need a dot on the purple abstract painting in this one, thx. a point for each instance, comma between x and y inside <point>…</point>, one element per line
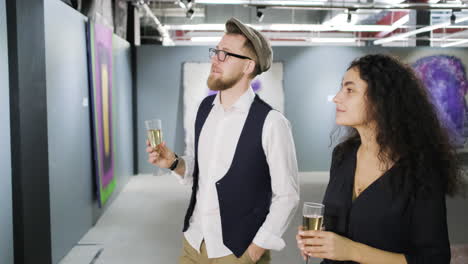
<point>100,75</point>
<point>445,78</point>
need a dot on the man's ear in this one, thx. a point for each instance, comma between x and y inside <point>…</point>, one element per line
<point>250,68</point>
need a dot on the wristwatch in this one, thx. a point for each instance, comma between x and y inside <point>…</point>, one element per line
<point>175,163</point>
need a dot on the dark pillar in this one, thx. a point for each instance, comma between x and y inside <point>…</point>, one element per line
<point>131,31</point>
<point>423,18</point>
<point>29,145</point>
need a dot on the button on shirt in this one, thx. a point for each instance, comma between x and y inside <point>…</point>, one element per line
<point>217,145</point>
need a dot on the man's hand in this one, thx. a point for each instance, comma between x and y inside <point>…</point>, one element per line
<point>255,252</point>
<point>160,156</point>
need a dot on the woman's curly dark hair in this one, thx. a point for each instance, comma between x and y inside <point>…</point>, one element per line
<point>408,128</point>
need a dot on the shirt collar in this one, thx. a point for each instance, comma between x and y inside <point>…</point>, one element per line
<point>242,104</point>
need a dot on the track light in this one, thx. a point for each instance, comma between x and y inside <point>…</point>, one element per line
<point>187,5</point>
<point>190,13</point>
<point>348,19</point>
<point>453,18</point>
<point>350,16</point>
<point>260,14</point>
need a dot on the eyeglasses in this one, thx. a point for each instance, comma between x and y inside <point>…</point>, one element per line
<point>222,55</point>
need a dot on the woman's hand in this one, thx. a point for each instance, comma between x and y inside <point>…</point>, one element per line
<point>299,245</point>
<point>326,245</point>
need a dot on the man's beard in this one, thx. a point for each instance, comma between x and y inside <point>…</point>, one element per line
<point>220,84</point>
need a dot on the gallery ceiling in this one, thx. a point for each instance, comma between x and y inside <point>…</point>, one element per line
<point>309,22</point>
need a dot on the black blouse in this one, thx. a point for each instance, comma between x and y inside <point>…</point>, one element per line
<point>415,226</point>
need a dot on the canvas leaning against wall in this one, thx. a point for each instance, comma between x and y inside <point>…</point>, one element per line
<point>268,85</point>
<point>100,76</point>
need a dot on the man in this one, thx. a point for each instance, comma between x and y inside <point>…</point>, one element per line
<point>242,163</point>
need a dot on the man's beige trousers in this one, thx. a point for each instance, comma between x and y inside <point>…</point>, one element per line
<point>191,256</point>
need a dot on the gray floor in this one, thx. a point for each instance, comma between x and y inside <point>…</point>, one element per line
<point>144,223</point>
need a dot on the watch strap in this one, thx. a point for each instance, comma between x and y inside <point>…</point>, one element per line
<point>175,163</point>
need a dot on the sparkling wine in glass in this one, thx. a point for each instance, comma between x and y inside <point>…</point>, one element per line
<point>312,218</point>
<point>155,137</point>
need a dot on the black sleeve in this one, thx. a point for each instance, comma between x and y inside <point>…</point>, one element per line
<point>429,242</point>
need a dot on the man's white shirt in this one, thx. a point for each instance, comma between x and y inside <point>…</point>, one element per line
<point>216,147</point>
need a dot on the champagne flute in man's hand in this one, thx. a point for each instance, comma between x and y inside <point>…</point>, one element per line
<point>155,138</point>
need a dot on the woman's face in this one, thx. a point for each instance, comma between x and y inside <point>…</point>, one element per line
<point>351,104</point>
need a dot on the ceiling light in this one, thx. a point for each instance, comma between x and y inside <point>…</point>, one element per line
<point>455,43</point>
<point>167,41</point>
<point>363,28</point>
<point>293,27</point>
<point>462,33</point>
<point>207,27</point>
<point>226,2</point>
<point>391,2</point>
<point>400,22</point>
<point>181,4</point>
<point>297,27</point>
<point>332,40</point>
<point>205,39</point>
<point>417,31</point>
<point>262,2</point>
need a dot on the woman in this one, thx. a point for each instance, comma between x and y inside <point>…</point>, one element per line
<point>385,201</point>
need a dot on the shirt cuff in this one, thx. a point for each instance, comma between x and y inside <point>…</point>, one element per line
<point>178,177</point>
<point>187,178</point>
<point>268,240</point>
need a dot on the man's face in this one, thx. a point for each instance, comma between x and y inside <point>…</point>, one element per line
<point>225,74</point>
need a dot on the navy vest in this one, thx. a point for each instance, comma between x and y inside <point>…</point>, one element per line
<point>244,193</point>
